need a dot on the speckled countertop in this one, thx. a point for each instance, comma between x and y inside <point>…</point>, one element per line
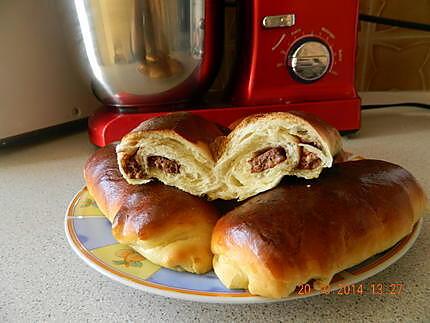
<point>43,280</point>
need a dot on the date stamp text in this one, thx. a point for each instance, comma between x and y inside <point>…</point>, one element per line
<point>391,289</point>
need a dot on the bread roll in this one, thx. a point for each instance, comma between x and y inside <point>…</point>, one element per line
<point>175,148</point>
<point>263,148</point>
<point>169,227</point>
<point>313,229</point>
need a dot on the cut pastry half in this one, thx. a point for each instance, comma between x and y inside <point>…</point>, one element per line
<point>263,148</point>
<point>175,149</point>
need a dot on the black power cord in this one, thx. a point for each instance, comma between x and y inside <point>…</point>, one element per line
<point>401,24</point>
<point>395,22</point>
<point>409,104</point>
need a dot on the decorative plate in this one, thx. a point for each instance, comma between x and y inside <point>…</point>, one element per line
<point>89,234</point>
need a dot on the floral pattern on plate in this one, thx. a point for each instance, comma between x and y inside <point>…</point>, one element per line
<point>125,259</point>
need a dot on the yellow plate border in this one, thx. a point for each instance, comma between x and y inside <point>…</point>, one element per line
<point>381,263</point>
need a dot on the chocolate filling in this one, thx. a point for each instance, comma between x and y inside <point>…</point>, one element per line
<point>132,167</point>
<point>164,164</point>
<point>267,158</point>
<point>308,160</point>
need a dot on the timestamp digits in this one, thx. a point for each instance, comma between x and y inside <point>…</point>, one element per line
<point>356,289</point>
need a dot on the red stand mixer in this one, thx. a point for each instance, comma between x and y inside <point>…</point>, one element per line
<point>149,57</point>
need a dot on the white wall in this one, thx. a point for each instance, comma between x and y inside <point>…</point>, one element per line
<point>40,81</point>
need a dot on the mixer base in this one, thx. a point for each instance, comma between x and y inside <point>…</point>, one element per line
<point>108,125</point>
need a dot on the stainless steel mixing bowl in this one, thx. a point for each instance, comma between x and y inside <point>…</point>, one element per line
<point>150,52</point>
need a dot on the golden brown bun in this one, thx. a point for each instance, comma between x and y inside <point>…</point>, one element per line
<point>105,183</point>
<point>174,148</point>
<point>263,148</point>
<point>169,227</point>
<point>314,229</point>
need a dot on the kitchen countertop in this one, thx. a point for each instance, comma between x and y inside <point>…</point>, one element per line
<point>42,279</point>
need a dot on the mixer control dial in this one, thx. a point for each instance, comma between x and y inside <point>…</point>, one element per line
<point>309,60</point>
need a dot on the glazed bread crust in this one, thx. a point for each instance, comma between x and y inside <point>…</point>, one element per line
<point>175,149</point>
<point>313,229</point>
<point>263,148</point>
<point>169,227</point>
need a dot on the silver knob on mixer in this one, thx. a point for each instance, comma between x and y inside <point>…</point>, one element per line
<point>309,60</point>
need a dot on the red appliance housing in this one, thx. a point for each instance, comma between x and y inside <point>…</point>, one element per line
<point>293,55</point>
